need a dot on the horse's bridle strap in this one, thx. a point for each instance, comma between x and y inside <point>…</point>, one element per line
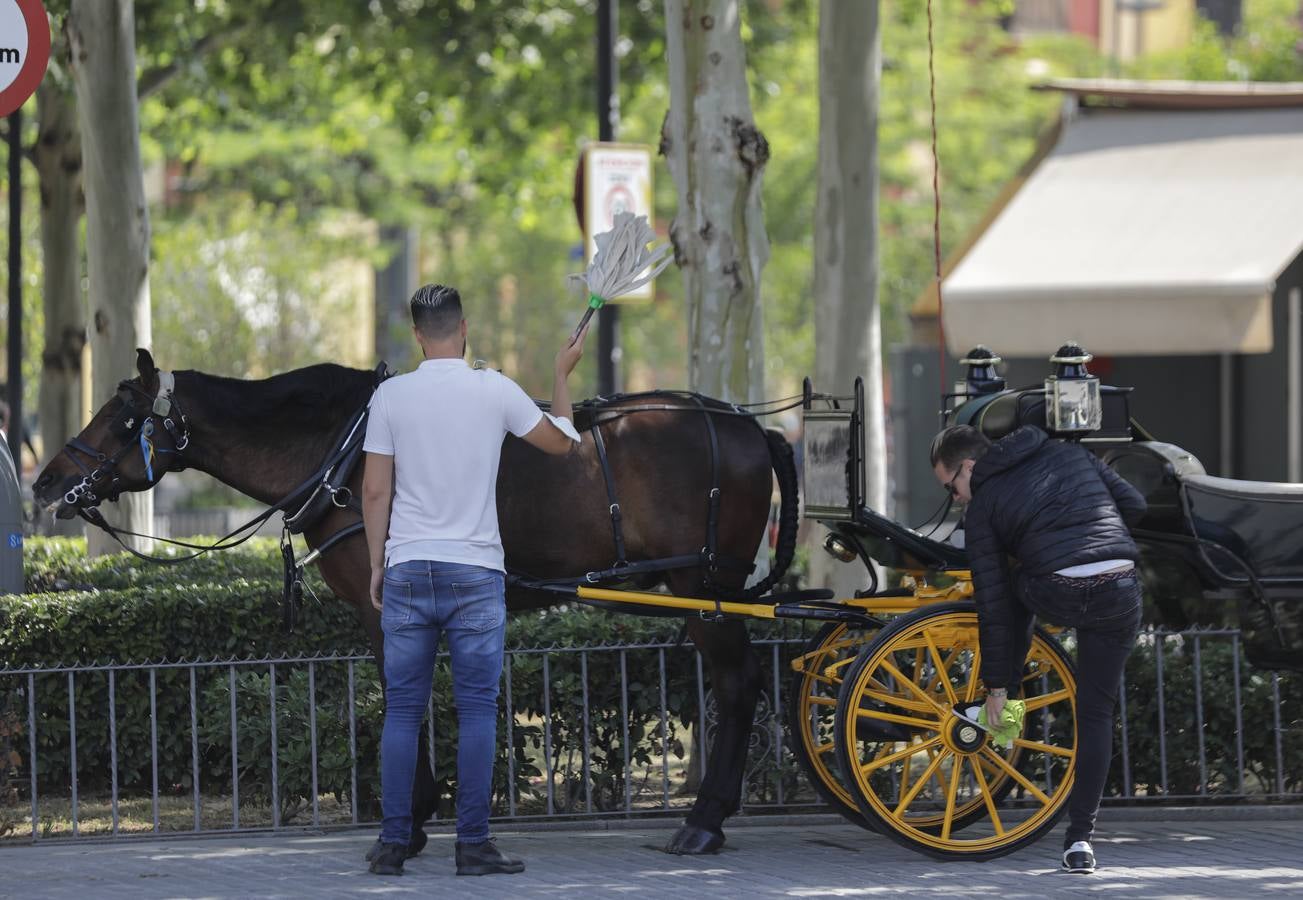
<point>161,406</point>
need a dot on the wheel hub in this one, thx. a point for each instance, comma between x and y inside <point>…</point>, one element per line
<point>962,736</point>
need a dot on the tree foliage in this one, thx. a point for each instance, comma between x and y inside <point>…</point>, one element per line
<point>283,120</point>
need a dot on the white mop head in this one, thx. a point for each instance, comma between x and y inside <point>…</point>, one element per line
<point>622,263</point>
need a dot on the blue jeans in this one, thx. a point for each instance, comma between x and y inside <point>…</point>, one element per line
<point>423,599</point>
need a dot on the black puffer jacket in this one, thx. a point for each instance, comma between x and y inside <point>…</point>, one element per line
<point>1048,505</point>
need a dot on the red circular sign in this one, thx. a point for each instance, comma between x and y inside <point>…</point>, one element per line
<point>34,62</point>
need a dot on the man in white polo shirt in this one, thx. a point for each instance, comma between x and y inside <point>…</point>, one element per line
<point>429,502</point>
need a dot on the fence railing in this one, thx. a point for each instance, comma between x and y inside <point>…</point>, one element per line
<point>609,730</point>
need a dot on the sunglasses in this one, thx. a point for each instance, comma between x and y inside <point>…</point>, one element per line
<point>950,485</point>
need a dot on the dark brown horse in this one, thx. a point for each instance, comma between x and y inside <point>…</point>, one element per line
<point>264,438</point>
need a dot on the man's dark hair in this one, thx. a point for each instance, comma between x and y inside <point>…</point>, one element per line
<point>436,311</point>
<point>957,443</point>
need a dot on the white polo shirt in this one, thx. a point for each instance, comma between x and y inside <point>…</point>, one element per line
<point>444,425</point>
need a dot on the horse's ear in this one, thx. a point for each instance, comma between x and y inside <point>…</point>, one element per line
<point>145,366</point>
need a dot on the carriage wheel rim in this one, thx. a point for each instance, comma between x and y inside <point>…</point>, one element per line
<point>948,723</point>
<point>929,760</point>
<point>817,669</point>
<point>814,666</point>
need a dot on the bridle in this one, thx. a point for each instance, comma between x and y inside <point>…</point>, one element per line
<point>101,481</point>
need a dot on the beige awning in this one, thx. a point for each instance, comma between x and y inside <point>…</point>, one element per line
<point>1143,232</point>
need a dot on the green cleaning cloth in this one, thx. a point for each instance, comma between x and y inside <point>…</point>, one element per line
<point>1010,724</point>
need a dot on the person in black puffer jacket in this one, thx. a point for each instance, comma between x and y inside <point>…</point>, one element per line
<point>1047,535</point>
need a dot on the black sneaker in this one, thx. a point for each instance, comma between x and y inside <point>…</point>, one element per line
<point>419,840</point>
<point>387,859</point>
<point>1079,858</point>
<point>485,859</point>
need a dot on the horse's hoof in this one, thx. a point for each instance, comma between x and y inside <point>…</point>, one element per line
<point>693,840</point>
<point>417,843</point>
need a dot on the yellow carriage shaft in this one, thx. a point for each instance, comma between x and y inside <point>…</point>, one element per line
<point>668,601</point>
<point>961,589</point>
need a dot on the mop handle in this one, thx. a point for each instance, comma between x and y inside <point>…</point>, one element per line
<point>594,304</point>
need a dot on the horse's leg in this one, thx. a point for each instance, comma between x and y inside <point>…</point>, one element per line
<point>734,670</point>
<point>735,681</point>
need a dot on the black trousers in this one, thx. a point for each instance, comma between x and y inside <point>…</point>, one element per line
<point>1105,611</point>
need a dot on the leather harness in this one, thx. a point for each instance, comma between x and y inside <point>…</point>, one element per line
<point>327,489</point>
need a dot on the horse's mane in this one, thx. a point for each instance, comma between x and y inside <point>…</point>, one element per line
<point>322,395</point>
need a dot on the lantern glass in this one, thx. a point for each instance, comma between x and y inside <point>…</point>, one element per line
<point>1073,404</point>
<point>961,393</point>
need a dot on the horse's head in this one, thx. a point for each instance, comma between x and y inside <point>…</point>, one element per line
<point>128,446</point>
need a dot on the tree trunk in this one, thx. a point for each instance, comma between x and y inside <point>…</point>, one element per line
<point>847,328</point>
<point>394,286</point>
<point>101,36</point>
<point>58,162</point>
<point>717,157</point>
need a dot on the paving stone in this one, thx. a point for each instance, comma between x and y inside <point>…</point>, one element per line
<point>815,859</point>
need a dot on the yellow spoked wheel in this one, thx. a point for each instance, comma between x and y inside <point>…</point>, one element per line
<point>817,676</point>
<point>944,788</point>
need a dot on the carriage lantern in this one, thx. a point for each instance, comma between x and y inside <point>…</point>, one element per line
<point>1072,400</point>
<point>981,377</point>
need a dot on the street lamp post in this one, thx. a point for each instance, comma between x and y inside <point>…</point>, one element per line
<point>608,120</point>
<point>15,426</point>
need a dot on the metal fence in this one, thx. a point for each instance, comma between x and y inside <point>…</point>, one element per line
<point>612,730</point>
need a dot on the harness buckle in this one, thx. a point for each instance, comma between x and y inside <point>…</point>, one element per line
<point>615,510</point>
<point>591,578</point>
<point>714,493</point>
<point>334,496</point>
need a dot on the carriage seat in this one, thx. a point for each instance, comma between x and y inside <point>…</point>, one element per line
<point>898,546</point>
<point>1258,521</point>
<point>1000,414</point>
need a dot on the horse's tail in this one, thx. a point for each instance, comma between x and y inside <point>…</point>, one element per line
<point>783,460</point>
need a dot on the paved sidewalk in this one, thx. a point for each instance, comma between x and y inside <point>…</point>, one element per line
<point>1215,857</point>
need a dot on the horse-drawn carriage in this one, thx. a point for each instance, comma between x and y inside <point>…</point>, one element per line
<point>873,710</point>
<point>875,692</point>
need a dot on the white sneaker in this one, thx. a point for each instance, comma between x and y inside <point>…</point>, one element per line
<point>1079,858</point>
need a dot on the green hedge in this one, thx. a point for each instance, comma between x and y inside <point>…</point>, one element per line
<point>61,564</point>
<point>1180,733</point>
